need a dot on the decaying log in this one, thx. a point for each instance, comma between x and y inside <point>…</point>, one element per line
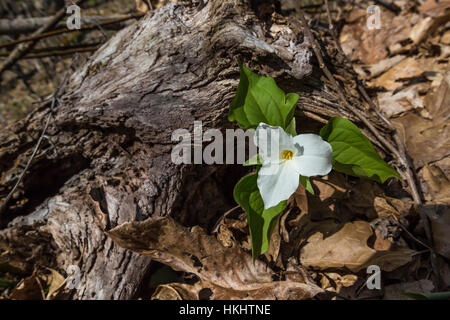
<point>107,157</point>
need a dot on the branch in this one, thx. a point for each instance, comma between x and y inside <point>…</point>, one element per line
<point>57,51</point>
<point>66,30</point>
<point>22,49</point>
<point>27,25</point>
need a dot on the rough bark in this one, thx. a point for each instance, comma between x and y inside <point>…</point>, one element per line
<point>107,161</point>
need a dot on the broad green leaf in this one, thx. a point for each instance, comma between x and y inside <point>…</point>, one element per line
<point>291,128</point>
<point>253,161</point>
<point>306,183</point>
<point>261,222</point>
<point>353,153</point>
<point>259,99</point>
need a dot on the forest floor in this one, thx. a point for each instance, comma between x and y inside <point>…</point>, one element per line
<point>350,224</point>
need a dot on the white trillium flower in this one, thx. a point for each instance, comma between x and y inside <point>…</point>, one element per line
<point>284,158</point>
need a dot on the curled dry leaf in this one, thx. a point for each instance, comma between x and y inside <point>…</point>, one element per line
<point>217,267</point>
<point>348,248</point>
<point>204,290</point>
<point>334,282</point>
<point>387,207</point>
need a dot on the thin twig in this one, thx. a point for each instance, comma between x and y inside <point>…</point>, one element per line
<point>54,100</point>
<point>36,148</point>
<point>24,48</point>
<point>66,30</point>
<point>28,25</point>
<point>53,53</point>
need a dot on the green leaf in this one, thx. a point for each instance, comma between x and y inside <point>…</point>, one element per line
<point>253,161</point>
<point>259,99</point>
<point>261,222</point>
<point>7,283</point>
<point>353,153</point>
<point>291,128</point>
<point>306,183</point>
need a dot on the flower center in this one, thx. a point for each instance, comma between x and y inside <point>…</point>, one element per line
<point>287,154</point>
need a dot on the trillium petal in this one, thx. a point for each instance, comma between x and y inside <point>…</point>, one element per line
<point>271,141</point>
<point>313,145</point>
<point>309,166</point>
<point>277,182</point>
<point>316,157</point>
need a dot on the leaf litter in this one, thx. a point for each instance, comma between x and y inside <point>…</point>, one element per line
<point>324,242</point>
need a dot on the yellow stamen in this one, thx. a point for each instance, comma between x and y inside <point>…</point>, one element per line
<point>287,154</point>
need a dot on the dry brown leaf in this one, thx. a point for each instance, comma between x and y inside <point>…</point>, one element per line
<point>427,141</point>
<point>143,5</point>
<point>388,207</point>
<point>56,282</point>
<point>434,8</point>
<point>230,269</point>
<point>407,68</point>
<point>348,248</point>
<point>437,184</point>
<point>27,289</point>
<point>437,101</point>
<point>439,215</point>
<point>371,46</point>
<point>361,199</point>
<point>445,39</point>
<point>374,70</point>
<point>381,244</point>
<point>168,292</point>
<point>441,233</point>
<point>399,102</point>
<point>203,290</point>
<point>340,281</point>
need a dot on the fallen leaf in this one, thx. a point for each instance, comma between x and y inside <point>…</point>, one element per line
<point>399,102</point>
<point>229,272</point>
<point>434,8</point>
<point>388,207</point>
<point>348,248</point>
<point>426,141</point>
<point>371,46</point>
<point>55,281</point>
<point>27,289</point>
<point>437,188</point>
<point>439,215</point>
<point>407,68</point>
